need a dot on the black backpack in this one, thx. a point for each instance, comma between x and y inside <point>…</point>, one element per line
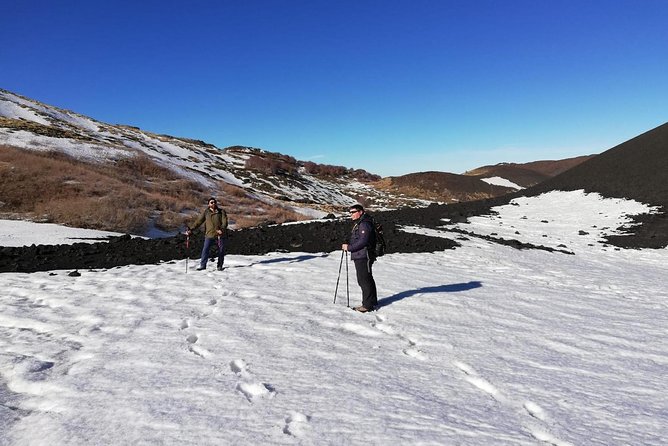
<point>379,249</point>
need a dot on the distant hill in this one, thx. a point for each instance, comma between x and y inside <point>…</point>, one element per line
<point>481,183</point>
<point>528,174</point>
<point>442,186</point>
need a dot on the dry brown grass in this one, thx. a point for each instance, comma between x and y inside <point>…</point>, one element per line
<point>246,211</point>
<point>54,187</point>
<point>123,197</point>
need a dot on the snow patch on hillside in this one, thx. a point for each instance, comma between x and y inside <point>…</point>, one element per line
<point>72,147</point>
<point>498,181</point>
<point>575,220</point>
<point>14,111</point>
<point>26,233</point>
<point>40,110</point>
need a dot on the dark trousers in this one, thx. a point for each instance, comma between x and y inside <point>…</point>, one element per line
<point>220,244</point>
<point>366,282</point>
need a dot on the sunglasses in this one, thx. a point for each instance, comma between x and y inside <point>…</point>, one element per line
<point>212,202</point>
<point>354,211</point>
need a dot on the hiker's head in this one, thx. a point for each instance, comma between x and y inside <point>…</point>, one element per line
<point>356,211</point>
<point>212,202</point>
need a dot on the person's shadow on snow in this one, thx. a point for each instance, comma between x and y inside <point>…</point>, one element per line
<point>296,259</point>
<point>452,288</point>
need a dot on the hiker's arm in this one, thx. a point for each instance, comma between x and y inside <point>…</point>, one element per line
<point>198,222</point>
<point>223,222</point>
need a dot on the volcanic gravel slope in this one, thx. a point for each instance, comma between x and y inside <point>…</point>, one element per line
<point>636,169</point>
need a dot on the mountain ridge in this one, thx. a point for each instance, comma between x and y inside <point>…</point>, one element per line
<point>247,177</point>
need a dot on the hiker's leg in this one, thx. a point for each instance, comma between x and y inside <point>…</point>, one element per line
<point>366,283</point>
<point>221,252</point>
<point>205,252</point>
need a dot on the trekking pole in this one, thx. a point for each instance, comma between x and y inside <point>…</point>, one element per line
<point>187,251</point>
<point>347,283</point>
<point>339,276</point>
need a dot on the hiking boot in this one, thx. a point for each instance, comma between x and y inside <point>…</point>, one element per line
<point>219,268</point>
<point>200,268</point>
<point>361,309</point>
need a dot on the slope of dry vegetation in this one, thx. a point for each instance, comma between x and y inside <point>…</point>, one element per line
<point>272,163</point>
<point>245,211</point>
<point>129,196</point>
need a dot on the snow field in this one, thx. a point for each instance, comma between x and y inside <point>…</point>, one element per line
<point>483,344</point>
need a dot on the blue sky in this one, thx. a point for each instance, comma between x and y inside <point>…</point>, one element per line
<point>389,86</point>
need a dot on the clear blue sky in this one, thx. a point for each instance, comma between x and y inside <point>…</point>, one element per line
<point>388,86</point>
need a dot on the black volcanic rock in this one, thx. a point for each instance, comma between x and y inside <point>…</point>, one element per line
<point>318,236</point>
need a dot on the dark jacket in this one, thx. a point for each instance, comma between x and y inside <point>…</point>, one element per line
<point>362,239</point>
<point>212,222</point>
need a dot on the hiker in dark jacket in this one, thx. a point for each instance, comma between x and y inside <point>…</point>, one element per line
<point>361,248</point>
<point>215,226</point>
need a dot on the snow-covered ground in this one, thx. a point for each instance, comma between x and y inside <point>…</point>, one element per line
<point>572,220</point>
<point>25,233</point>
<point>482,345</point>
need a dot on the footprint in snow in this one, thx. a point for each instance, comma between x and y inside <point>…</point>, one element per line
<point>192,340</point>
<point>479,382</point>
<point>359,329</point>
<point>248,386</point>
<point>199,314</point>
<point>534,410</point>
<point>542,434</point>
<point>536,427</point>
<point>31,367</point>
<point>256,390</point>
<point>387,329</point>
<point>184,324</point>
<point>238,366</point>
<point>296,424</point>
<point>414,352</point>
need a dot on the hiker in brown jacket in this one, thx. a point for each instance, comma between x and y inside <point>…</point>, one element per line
<point>215,227</point>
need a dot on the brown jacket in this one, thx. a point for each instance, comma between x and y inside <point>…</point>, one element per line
<point>213,221</point>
